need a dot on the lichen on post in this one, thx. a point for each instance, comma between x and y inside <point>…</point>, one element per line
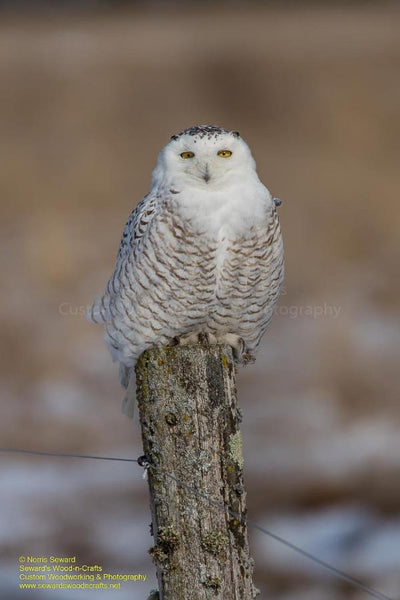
<point>190,428</point>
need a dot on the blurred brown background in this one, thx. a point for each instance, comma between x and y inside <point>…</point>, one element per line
<point>87,101</point>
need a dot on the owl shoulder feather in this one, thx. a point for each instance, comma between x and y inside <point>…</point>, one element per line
<point>138,224</point>
<point>135,229</point>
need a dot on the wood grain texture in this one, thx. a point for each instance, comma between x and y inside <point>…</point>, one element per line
<point>190,428</point>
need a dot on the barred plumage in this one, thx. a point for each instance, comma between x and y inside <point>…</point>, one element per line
<point>201,253</point>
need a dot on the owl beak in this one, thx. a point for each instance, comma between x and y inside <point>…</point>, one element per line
<point>206,175</point>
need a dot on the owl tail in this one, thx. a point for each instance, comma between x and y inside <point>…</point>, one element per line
<point>128,381</point>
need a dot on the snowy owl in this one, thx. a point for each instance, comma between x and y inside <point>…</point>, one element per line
<point>200,255</point>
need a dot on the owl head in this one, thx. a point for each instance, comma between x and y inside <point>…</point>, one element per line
<point>204,156</point>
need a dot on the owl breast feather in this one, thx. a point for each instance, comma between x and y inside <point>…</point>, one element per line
<point>174,279</point>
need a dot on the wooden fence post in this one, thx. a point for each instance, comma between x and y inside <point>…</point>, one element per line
<point>190,429</point>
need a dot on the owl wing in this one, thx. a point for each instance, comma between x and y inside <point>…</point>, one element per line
<point>137,225</point>
<point>134,230</point>
<point>274,266</point>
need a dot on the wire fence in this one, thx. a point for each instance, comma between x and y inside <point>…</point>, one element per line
<point>144,463</point>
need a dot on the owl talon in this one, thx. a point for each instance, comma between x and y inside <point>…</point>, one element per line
<point>247,358</point>
<point>186,339</point>
<point>207,338</point>
<point>239,349</point>
<point>199,337</point>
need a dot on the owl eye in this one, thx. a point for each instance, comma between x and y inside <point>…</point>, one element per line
<point>224,153</point>
<point>187,154</point>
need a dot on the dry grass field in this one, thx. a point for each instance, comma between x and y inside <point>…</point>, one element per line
<point>87,101</point>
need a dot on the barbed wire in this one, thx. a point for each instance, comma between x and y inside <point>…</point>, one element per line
<point>143,461</point>
<point>64,455</point>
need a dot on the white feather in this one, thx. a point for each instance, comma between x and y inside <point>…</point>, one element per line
<point>201,252</point>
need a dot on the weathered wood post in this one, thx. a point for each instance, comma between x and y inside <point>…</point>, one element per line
<point>190,428</point>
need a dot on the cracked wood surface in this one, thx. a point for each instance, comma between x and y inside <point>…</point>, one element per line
<point>190,428</point>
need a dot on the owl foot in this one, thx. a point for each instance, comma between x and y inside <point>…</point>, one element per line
<point>205,338</point>
<point>186,339</point>
<point>239,349</point>
<point>194,337</point>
